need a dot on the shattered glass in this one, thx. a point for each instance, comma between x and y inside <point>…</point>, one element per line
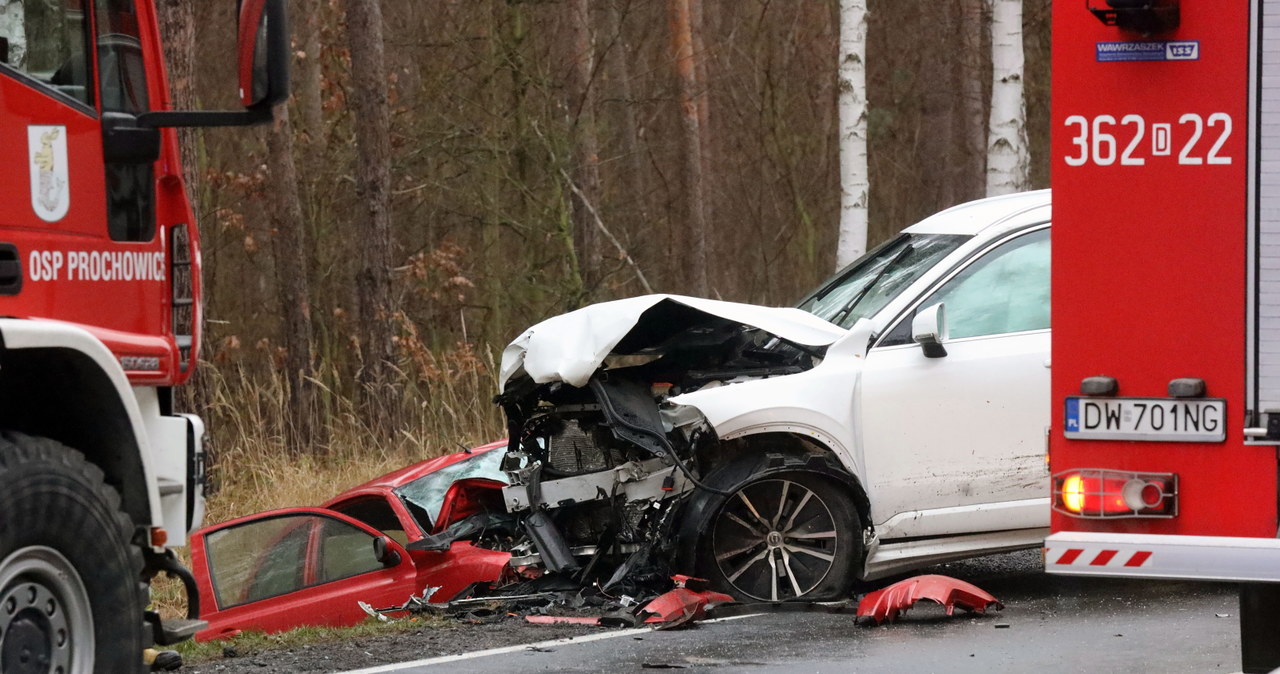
<point>426,494</point>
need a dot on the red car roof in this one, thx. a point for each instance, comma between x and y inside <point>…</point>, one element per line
<point>408,474</point>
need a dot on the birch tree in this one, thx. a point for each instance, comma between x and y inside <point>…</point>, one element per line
<point>1008,162</point>
<point>855,184</point>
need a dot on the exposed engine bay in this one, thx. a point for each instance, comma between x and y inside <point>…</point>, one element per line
<point>600,473</point>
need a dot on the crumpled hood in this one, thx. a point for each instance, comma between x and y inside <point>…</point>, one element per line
<point>570,347</point>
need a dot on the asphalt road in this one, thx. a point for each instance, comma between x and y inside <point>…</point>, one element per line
<point>1049,623</point>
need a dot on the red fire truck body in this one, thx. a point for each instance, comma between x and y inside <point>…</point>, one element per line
<point>1166,279</point>
<point>99,319</point>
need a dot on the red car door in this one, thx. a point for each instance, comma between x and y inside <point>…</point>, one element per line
<point>297,566</point>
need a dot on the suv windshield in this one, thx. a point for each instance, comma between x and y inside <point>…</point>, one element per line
<point>864,287</point>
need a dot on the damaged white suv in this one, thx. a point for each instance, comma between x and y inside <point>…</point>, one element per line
<point>896,419</point>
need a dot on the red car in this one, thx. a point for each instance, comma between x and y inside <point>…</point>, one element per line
<point>310,566</point>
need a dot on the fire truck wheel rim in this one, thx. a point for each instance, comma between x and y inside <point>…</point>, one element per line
<point>45,620</point>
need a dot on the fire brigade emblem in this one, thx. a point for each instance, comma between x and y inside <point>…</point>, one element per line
<point>50,196</point>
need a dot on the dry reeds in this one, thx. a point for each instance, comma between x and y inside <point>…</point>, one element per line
<point>443,404</point>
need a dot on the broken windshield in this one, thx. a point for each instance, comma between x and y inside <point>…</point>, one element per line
<point>863,288</point>
<point>425,495</point>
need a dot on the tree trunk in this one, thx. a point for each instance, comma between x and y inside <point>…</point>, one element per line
<point>586,150</point>
<point>178,32</point>
<point>303,430</point>
<point>694,232</point>
<point>1008,163</point>
<point>618,61</point>
<point>971,127</point>
<point>855,185</point>
<point>309,76</point>
<point>372,115</point>
<point>706,160</point>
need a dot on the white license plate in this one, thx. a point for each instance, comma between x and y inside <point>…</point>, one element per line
<point>1157,419</point>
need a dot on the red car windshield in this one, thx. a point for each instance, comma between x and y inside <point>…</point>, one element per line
<point>425,495</point>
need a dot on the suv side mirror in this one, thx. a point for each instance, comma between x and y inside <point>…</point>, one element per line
<point>929,330</point>
<point>384,552</point>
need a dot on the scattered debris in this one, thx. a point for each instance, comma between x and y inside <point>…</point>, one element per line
<point>885,604</point>
<point>688,600</point>
<point>561,620</point>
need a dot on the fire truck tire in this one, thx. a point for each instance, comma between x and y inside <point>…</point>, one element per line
<point>782,533</point>
<point>71,595</point>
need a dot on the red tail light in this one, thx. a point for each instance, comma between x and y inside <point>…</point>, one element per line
<point>1099,493</point>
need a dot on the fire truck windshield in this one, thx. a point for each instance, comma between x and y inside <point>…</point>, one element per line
<point>45,42</point>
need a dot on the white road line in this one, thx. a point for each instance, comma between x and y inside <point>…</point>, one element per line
<point>523,647</point>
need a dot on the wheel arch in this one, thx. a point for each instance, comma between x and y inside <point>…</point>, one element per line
<point>60,382</point>
<point>818,451</point>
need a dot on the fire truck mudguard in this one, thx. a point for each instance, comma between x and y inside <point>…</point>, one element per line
<point>76,371</point>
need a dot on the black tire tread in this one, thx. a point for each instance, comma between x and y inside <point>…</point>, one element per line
<point>34,473</point>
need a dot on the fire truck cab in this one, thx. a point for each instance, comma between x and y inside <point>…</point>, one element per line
<point>99,319</point>
<point>1166,298</point>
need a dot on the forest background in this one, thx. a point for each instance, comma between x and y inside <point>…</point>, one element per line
<point>539,158</point>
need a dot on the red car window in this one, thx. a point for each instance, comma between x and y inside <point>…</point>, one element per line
<point>269,557</point>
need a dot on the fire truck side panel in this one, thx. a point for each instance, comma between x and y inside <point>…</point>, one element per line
<point>1149,170</point>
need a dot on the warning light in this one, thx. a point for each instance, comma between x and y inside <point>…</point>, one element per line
<point>1139,16</point>
<point>1098,493</point>
<point>1073,493</point>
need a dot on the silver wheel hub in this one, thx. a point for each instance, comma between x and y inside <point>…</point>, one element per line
<point>775,540</point>
<point>46,624</point>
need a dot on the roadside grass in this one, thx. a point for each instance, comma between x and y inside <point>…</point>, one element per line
<point>253,643</point>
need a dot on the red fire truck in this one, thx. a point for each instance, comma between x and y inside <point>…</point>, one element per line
<point>100,303</point>
<point>1166,304</point>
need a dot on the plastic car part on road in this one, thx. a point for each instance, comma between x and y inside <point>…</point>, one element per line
<point>886,603</point>
<point>687,602</point>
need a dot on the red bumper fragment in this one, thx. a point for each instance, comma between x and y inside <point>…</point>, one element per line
<point>886,603</point>
<point>683,604</point>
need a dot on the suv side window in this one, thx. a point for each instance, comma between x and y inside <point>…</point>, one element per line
<point>45,40</point>
<point>1004,291</point>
